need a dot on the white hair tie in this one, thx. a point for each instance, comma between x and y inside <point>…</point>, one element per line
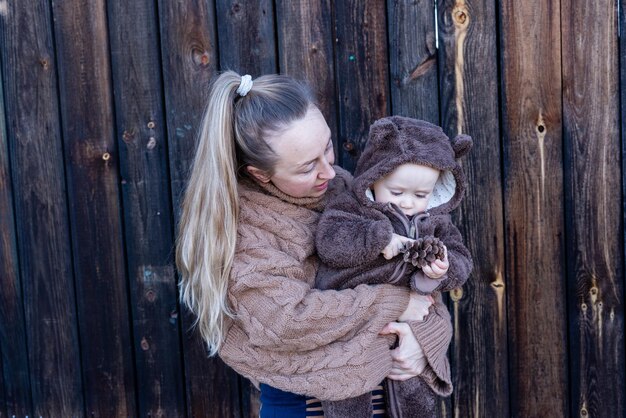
<point>245,85</point>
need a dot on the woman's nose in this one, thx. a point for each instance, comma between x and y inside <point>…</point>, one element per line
<point>327,172</point>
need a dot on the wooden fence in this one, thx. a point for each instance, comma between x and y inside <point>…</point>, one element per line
<point>99,105</point>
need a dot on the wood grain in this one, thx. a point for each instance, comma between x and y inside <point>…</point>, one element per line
<point>533,205</point>
<point>361,72</point>
<point>148,220</point>
<point>41,218</point>
<point>95,207</point>
<point>15,390</point>
<point>469,97</point>
<point>305,50</point>
<point>413,60</point>
<point>593,214</point>
<point>247,43</point>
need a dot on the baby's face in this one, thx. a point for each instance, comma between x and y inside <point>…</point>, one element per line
<point>409,187</point>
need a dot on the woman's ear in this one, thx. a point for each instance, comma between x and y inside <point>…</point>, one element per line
<point>258,174</point>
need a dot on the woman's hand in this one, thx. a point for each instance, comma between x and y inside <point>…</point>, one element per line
<point>408,358</point>
<point>417,308</point>
<point>395,245</point>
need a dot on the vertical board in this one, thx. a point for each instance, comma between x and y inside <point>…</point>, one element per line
<point>33,133</point>
<point>92,181</point>
<point>413,59</point>
<point>593,207</point>
<point>469,96</point>
<point>189,59</point>
<point>533,204</point>
<point>246,38</point>
<point>142,145</point>
<point>305,50</point>
<point>247,45</point>
<point>14,380</point>
<point>361,72</point>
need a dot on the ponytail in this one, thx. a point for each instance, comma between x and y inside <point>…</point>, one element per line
<point>231,136</point>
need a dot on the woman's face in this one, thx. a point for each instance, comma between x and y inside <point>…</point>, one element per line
<point>305,156</point>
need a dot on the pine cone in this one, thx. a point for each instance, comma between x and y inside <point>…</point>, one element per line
<point>423,251</point>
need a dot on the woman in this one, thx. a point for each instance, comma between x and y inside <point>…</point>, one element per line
<point>262,173</point>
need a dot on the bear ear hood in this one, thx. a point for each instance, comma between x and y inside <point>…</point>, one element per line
<point>398,140</point>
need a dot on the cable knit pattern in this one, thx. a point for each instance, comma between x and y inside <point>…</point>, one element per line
<point>317,343</point>
<point>434,335</point>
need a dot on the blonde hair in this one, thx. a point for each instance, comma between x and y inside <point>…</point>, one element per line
<point>231,136</point>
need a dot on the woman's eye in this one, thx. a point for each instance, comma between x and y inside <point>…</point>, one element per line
<point>309,170</point>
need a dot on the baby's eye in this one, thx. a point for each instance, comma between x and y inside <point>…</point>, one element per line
<point>420,195</point>
<point>395,193</point>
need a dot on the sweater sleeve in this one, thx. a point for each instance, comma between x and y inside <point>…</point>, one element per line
<point>347,237</point>
<point>317,343</point>
<point>280,311</point>
<point>434,334</point>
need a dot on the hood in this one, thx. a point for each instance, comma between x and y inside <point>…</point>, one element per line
<point>398,140</point>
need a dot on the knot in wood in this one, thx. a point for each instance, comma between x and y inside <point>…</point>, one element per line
<point>144,344</point>
<point>151,143</point>
<point>106,156</point>
<point>348,146</point>
<point>151,124</point>
<point>151,295</point>
<point>128,136</point>
<point>461,15</point>
<point>456,294</point>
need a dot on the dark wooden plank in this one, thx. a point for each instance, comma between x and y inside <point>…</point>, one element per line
<point>305,49</point>
<point>246,38</point>
<point>188,39</point>
<point>469,96</point>
<point>42,228</point>
<point>93,189</point>
<point>14,378</point>
<point>533,190</point>
<point>247,45</point>
<point>593,211</point>
<point>148,223</point>
<point>413,59</point>
<point>361,72</point>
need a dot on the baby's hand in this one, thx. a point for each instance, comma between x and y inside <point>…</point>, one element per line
<point>438,268</point>
<point>395,245</point>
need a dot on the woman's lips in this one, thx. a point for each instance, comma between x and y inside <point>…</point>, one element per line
<point>322,186</point>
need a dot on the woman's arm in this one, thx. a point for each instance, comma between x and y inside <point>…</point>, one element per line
<point>279,311</point>
<point>434,335</point>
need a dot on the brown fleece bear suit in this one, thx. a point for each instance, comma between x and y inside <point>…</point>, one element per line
<point>354,229</point>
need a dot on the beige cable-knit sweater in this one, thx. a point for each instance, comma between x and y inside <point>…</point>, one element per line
<point>290,336</point>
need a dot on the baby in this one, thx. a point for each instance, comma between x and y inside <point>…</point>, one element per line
<point>406,183</point>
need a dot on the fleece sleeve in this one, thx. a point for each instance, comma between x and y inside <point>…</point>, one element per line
<point>349,235</point>
<point>458,256</point>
